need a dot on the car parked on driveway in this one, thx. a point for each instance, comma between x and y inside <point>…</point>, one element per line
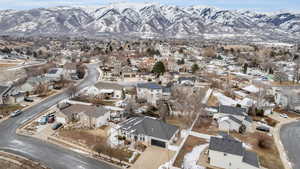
<point>28,99</point>
<point>263,128</point>
<point>284,115</point>
<point>56,126</point>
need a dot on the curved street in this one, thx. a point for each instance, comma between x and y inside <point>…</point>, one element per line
<point>48,154</point>
<point>290,137</point>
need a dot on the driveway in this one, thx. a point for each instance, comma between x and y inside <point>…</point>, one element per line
<point>152,158</point>
<point>53,156</point>
<point>290,137</point>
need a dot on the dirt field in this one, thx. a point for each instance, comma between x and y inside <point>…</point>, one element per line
<point>269,158</point>
<point>6,109</point>
<point>8,161</point>
<point>188,146</point>
<point>206,127</point>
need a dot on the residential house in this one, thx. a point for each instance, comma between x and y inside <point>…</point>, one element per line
<point>33,82</point>
<point>233,118</point>
<point>4,93</point>
<point>55,74</point>
<point>149,130</point>
<point>116,114</point>
<point>152,92</point>
<point>188,81</point>
<point>229,123</point>
<point>87,115</point>
<point>288,99</point>
<point>230,154</point>
<point>110,90</point>
<point>128,72</point>
<point>70,70</point>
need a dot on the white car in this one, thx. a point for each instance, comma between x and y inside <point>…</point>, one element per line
<point>284,115</point>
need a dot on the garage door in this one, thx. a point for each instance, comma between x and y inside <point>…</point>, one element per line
<point>158,143</point>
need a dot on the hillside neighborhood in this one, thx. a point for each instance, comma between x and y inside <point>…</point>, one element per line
<point>157,104</point>
<point>149,84</point>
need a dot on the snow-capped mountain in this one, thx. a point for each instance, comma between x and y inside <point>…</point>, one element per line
<point>148,20</point>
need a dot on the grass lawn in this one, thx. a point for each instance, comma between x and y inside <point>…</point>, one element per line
<point>188,146</point>
<point>269,158</point>
<point>6,109</point>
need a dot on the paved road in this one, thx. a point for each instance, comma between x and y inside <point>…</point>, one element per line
<point>290,138</point>
<point>48,154</point>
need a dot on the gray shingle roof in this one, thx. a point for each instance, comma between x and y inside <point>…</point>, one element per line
<point>102,85</point>
<point>249,119</point>
<point>226,145</point>
<point>92,111</point>
<point>232,110</point>
<point>149,85</point>
<point>235,119</point>
<point>251,158</point>
<point>3,89</point>
<point>149,126</point>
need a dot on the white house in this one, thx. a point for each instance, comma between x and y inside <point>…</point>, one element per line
<point>288,98</point>
<point>55,74</point>
<point>108,90</point>
<point>229,123</point>
<point>69,70</point>
<point>230,154</point>
<point>152,92</point>
<point>232,118</point>
<point>149,130</point>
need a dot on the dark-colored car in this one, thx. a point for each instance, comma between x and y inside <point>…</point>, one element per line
<point>263,128</point>
<point>56,126</point>
<point>15,113</point>
<point>28,99</point>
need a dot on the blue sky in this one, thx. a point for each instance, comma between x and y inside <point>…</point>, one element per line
<point>258,5</point>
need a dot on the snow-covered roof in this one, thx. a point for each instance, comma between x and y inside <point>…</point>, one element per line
<point>251,89</point>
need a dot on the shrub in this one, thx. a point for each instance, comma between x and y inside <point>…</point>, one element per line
<point>264,141</point>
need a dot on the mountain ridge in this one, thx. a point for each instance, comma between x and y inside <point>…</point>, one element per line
<point>151,20</point>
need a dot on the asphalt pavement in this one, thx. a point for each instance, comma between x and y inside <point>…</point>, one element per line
<point>48,154</point>
<point>290,138</point>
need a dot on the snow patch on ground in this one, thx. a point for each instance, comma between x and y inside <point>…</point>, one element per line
<point>133,156</point>
<point>190,159</point>
<point>113,139</point>
<point>165,166</point>
<point>173,148</point>
<point>224,100</point>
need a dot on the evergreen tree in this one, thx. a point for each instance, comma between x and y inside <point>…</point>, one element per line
<point>159,68</point>
<point>195,68</point>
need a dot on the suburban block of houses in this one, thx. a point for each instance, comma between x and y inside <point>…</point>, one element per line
<point>148,130</point>
<point>226,152</point>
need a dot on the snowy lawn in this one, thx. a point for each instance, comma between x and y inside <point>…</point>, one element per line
<point>190,159</point>
<point>187,148</point>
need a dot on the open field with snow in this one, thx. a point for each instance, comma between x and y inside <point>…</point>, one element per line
<point>188,146</point>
